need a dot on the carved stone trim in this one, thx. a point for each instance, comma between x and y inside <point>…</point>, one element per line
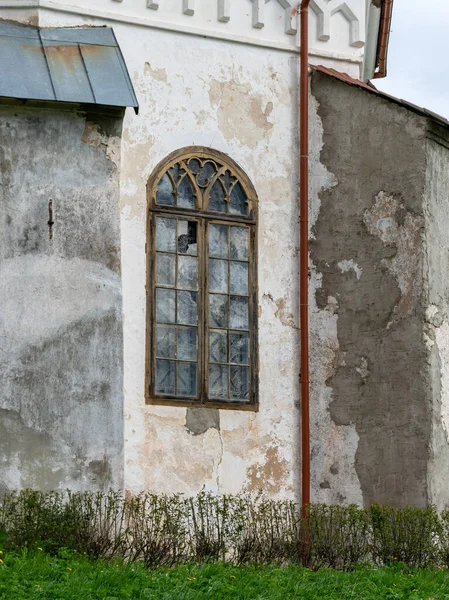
<point>188,7</point>
<point>290,9</point>
<point>324,12</point>
<point>324,9</point>
<point>224,10</point>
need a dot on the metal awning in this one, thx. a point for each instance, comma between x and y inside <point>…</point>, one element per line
<point>67,64</point>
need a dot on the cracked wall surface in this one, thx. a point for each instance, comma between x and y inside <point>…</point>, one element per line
<point>205,99</point>
<point>241,100</point>
<point>368,256</point>
<point>378,293</point>
<point>61,357</point>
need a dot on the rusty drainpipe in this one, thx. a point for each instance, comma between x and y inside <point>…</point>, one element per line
<point>384,36</point>
<point>304,252</point>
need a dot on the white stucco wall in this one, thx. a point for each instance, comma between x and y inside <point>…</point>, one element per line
<point>231,86</point>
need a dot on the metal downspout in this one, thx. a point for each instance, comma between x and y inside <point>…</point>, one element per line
<point>304,252</point>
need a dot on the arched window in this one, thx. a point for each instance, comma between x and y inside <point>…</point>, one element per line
<point>202,283</point>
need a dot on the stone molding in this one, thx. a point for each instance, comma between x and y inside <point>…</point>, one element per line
<point>39,11</point>
<point>324,9</point>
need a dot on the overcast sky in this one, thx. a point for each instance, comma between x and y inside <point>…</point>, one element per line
<point>419,54</point>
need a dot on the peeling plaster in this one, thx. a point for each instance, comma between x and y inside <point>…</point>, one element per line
<point>111,145</point>
<point>158,74</point>
<point>237,103</point>
<point>199,420</point>
<point>162,454</point>
<point>389,220</point>
<point>349,265</point>
<point>265,476</point>
<point>334,446</point>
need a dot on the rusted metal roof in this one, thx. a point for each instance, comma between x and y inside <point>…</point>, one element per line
<point>373,90</point>
<point>68,64</point>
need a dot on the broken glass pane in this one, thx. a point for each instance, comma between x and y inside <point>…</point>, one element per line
<point>166,234</point>
<point>217,200</point>
<point>165,341</point>
<point>187,237</point>
<point>239,278</point>
<point>238,317</point>
<point>239,383</point>
<point>238,348</point>
<point>186,379</point>
<point>165,269</point>
<point>238,204</point>
<point>218,241</point>
<point>187,308</point>
<point>187,273</point>
<point>218,276</point>
<point>218,347</point>
<point>165,194</point>
<point>218,382</point>
<point>186,343</point>
<point>165,376</point>
<point>165,306</point>
<point>239,243</point>
<point>186,197</point>
<point>218,310</point>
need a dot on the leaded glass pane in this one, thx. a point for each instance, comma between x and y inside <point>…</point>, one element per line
<point>238,348</point>
<point>166,235</point>
<point>194,166</point>
<point>239,379</point>
<point>165,194</point>
<point>186,343</point>
<point>239,278</point>
<point>187,308</point>
<point>239,243</point>
<point>205,174</point>
<point>218,241</point>
<point>176,172</point>
<point>165,306</point>
<point>187,237</point>
<point>165,341</point>
<point>217,200</point>
<point>218,310</point>
<point>218,276</point>
<point>218,382</point>
<point>218,347</point>
<point>238,313</point>
<point>165,377</point>
<point>165,269</point>
<point>186,379</point>
<point>187,273</point>
<point>238,204</point>
<point>178,360</point>
<point>186,197</point>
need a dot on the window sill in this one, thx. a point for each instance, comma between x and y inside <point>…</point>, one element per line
<point>197,404</point>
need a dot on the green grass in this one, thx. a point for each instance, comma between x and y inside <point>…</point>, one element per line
<point>38,575</point>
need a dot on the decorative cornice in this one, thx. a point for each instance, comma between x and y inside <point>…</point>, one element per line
<point>224,15</point>
<point>290,10</point>
<point>224,10</point>
<point>324,9</point>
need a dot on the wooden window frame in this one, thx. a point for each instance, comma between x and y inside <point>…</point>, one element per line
<point>204,218</point>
